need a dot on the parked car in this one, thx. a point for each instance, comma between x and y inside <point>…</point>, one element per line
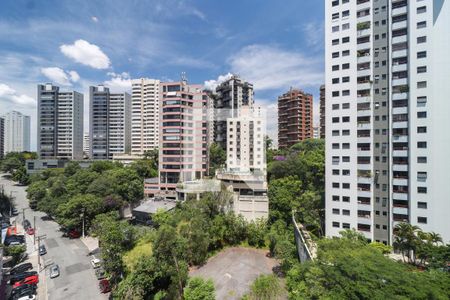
<point>21,276</point>
<point>28,297</point>
<point>100,273</point>
<point>5,225</point>
<point>34,279</point>
<point>13,238</point>
<point>14,211</point>
<point>30,231</point>
<point>104,286</point>
<point>74,234</point>
<point>42,250</point>
<point>21,268</point>
<point>26,224</point>
<point>54,271</point>
<point>24,290</point>
<point>95,262</point>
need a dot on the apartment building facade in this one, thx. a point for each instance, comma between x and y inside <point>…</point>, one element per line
<point>245,172</point>
<point>183,145</point>
<point>2,137</point>
<point>385,125</point>
<point>230,96</point>
<point>322,111</point>
<point>17,132</point>
<point>110,123</point>
<point>295,117</point>
<point>60,123</point>
<point>145,104</point>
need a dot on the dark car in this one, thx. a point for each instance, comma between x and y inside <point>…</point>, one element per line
<point>14,212</point>
<point>20,276</point>
<point>100,274</point>
<point>42,250</point>
<point>24,290</point>
<point>21,268</point>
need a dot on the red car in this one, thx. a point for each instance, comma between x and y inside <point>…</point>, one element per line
<point>34,279</point>
<point>74,234</point>
<point>30,231</point>
<point>104,286</point>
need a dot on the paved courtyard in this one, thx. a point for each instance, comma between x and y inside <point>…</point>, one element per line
<point>233,270</point>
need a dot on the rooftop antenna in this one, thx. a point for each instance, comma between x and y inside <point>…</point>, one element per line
<point>183,77</point>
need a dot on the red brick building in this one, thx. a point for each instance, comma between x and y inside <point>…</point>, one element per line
<point>295,117</point>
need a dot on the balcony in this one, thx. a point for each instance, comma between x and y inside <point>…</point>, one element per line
<point>399,67</point>
<point>400,210</point>
<point>399,81</point>
<point>399,25</point>
<point>364,180</point>
<point>400,95</point>
<point>399,39</point>
<point>400,196</point>
<point>399,53</point>
<point>400,153</point>
<point>399,10</point>
<point>400,167</point>
<point>400,125</point>
<point>400,138</point>
<point>364,227</point>
<point>400,181</point>
<point>400,110</point>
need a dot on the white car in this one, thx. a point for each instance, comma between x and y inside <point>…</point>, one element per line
<point>54,271</point>
<point>29,297</point>
<point>95,262</point>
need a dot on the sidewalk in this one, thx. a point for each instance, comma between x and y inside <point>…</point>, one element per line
<point>33,254</point>
<point>91,243</point>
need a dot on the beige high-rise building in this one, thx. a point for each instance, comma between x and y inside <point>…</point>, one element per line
<point>144,115</point>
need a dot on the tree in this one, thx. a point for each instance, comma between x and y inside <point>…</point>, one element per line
<point>349,269</point>
<point>169,250</point>
<point>406,240</point>
<point>145,168</point>
<point>257,231</point>
<point>217,158</point>
<point>199,289</point>
<point>72,213</point>
<point>266,287</point>
<point>284,198</point>
<point>20,175</point>
<point>115,237</point>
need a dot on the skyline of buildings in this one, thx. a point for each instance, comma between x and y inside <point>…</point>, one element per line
<point>386,139</point>
<point>295,117</point>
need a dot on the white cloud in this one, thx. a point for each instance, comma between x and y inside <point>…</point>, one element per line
<point>74,77</point>
<point>213,83</point>
<point>94,19</point>
<point>269,67</point>
<point>119,82</point>
<point>314,32</point>
<point>85,53</point>
<point>10,94</point>
<point>59,76</point>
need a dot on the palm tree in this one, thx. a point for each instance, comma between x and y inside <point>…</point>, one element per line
<point>435,238</point>
<point>406,239</point>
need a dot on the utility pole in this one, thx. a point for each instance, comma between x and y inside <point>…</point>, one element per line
<point>39,238</point>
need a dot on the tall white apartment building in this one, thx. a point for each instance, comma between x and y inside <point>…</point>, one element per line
<point>60,123</point>
<point>110,123</point>
<point>17,132</point>
<point>245,141</point>
<point>387,141</point>
<point>145,115</point>
<point>245,173</point>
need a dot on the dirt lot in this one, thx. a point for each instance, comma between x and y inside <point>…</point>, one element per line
<point>234,269</point>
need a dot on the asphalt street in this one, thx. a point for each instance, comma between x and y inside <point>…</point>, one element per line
<point>77,278</point>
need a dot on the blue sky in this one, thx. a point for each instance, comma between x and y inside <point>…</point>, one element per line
<point>273,44</point>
